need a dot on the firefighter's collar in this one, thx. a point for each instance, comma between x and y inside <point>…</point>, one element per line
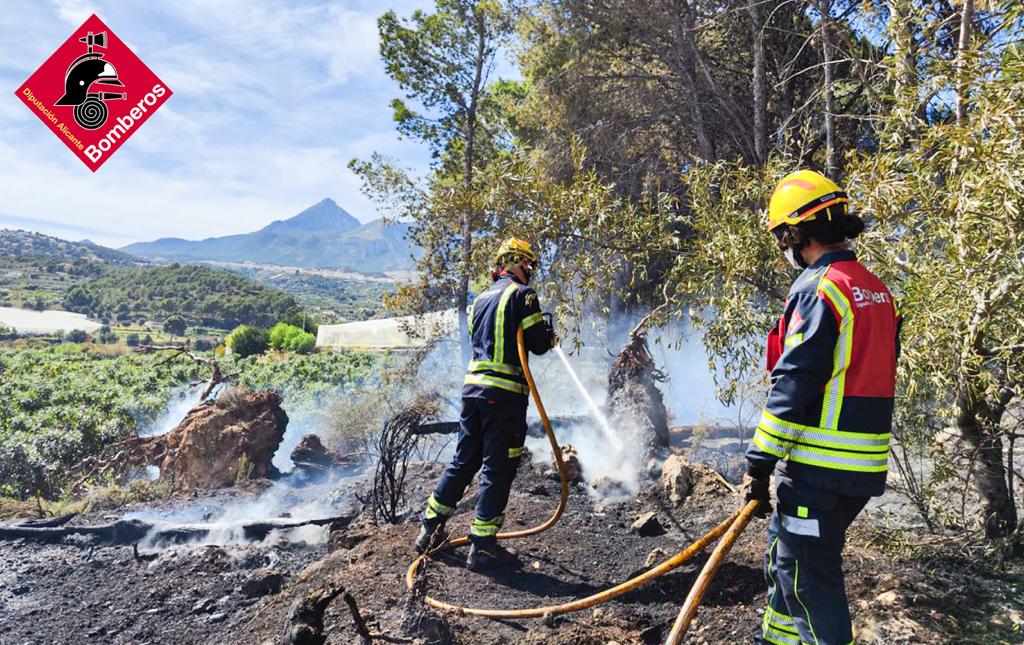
<point>833,256</point>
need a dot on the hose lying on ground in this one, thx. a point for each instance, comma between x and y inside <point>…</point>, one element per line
<point>733,521</point>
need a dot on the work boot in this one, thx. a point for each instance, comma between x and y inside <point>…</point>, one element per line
<point>487,554</point>
<point>432,535</point>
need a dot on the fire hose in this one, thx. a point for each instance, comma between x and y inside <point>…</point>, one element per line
<point>731,527</point>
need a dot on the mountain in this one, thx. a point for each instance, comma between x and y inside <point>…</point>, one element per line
<point>24,249</point>
<point>324,235</point>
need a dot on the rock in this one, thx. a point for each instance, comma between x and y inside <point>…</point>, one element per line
<point>676,479</point>
<point>654,468</point>
<point>886,599</point>
<point>311,455</point>
<point>203,606</point>
<point>655,557</point>
<point>647,525</point>
<point>571,462</point>
<point>540,490</point>
<point>263,582</point>
<point>220,442</point>
<point>218,617</point>
<point>606,486</point>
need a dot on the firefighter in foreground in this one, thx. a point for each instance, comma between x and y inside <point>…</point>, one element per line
<point>825,428</point>
<point>494,400</point>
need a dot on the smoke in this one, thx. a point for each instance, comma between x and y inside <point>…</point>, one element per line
<point>181,401</point>
<point>296,497</point>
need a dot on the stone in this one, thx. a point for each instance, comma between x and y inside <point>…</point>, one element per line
<point>655,557</point>
<point>262,582</point>
<point>203,606</point>
<point>647,525</point>
<point>676,479</point>
<point>571,461</point>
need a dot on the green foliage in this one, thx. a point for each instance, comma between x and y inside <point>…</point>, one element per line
<point>76,336</point>
<point>174,325</point>
<point>289,338</point>
<point>61,404</point>
<point>199,296</point>
<point>441,60</point>
<point>247,340</point>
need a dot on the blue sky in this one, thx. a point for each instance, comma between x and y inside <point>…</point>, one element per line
<point>271,100</point>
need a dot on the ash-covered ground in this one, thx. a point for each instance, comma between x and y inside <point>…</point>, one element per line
<point>74,592</point>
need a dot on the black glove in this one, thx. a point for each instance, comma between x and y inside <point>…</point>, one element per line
<point>756,488</point>
<point>550,322</point>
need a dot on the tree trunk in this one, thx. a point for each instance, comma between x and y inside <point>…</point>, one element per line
<point>760,84</point>
<point>467,221</point>
<point>831,154</point>
<point>964,43</point>
<point>684,59</point>
<point>979,429</point>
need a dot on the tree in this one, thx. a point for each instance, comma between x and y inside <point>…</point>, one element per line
<point>246,340</point>
<point>442,62</point>
<point>174,325</point>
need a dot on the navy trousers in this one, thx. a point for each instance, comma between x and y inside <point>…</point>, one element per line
<point>491,436</point>
<point>804,567</point>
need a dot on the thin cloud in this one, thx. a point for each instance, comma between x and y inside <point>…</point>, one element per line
<point>271,100</point>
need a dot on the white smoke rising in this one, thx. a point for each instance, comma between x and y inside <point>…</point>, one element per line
<point>183,400</point>
<point>293,498</point>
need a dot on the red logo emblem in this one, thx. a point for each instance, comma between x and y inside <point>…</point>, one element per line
<point>93,93</point>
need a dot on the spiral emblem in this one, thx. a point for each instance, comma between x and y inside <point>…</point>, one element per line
<point>91,114</point>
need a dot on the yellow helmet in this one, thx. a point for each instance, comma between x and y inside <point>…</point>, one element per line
<point>515,250</point>
<point>800,195</point>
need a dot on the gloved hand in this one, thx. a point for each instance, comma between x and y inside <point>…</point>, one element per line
<point>757,488</point>
<point>549,320</point>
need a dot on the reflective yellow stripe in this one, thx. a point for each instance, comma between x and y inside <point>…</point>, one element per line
<point>532,320</point>
<point>832,404</point>
<point>435,508</point>
<point>503,368</point>
<point>796,577</point>
<point>794,339</point>
<point>470,318</point>
<point>486,528</point>
<point>499,323</point>
<point>494,381</point>
<point>821,457</point>
<point>840,438</point>
<point>515,453</point>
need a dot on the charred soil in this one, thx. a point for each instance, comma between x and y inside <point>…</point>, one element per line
<point>72,592</point>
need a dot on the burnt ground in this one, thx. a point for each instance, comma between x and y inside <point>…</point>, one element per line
<point>900,594</point>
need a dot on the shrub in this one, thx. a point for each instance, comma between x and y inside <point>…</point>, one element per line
<point>132,340</point>
<point>174,325</point>
<point>75,336</point>
<point>247,340</point>
<point>285,337</point>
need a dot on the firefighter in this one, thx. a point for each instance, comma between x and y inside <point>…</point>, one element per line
<point>494,399</point>
<point>824,430</point>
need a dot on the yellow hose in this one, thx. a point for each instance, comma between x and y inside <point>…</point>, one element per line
<point>582,603</point>
<point>689,610</point>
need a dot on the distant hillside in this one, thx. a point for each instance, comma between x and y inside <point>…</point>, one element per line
<point>36,270</point>
<point>200,295</point>
<point>322,236</point>
<point>24,249</point>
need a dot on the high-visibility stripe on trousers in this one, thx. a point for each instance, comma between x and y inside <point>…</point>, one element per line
<point>807,602</point>
<point>491,438</point>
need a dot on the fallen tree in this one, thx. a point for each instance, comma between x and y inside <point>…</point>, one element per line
<point>124,532</point>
